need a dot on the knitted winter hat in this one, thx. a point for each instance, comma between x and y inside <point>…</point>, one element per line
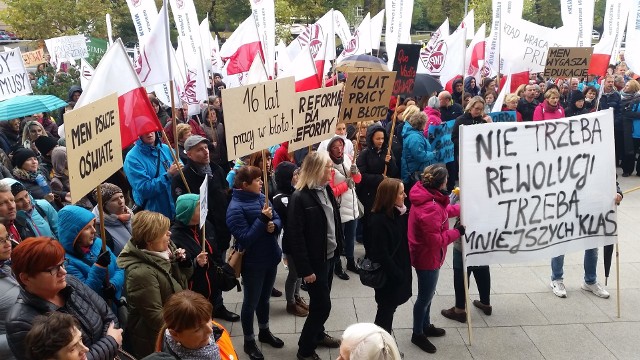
<point>45,144</point>
<point>20,156</point>
<point>17,188</point>
<point>108,191</point>
<point>186,206</point>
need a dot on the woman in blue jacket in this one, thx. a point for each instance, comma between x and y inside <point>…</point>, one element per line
<point>87,261</point>
<point>255,226</point>
<point>416,151</point>
<point>149,168</point>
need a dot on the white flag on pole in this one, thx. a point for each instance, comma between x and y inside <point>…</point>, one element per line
<point>376,30</point>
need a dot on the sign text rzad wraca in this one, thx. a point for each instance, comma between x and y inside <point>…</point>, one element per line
<point>537,190</point>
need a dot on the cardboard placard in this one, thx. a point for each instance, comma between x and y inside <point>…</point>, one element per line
<point>533,191</point>
<point>405,64</point>
<point>263,115</point>
<point>65,48</point>
<point>503,116</point>
<point>14,79</point>
<point>93,144</point>
<point>568,62</point>
<point>316,116</point>
<point>366,96</point>
<point>33,58</point>
<point>204,201</point>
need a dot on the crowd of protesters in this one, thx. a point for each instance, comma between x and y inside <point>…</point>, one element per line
<point>152,284</point>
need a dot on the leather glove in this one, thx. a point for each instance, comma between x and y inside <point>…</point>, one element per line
<point>104,259</point>
<point>460,229</point>
<point>109,292</point>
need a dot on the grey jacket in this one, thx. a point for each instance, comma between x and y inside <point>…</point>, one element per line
<point>9,290</point>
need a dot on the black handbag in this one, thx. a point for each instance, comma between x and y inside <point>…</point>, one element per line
<point>225,278</point>
<point>372,274</point>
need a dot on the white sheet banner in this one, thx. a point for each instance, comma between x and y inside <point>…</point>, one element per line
<point>615,20</point>
<point>65,48</point>
<point>532,191</point>
<point>14,79</point>
<point>263,12</point>
<point>143,14</point>
<point>398,28</point>
<point>376,29</point>
<point>577,18</point>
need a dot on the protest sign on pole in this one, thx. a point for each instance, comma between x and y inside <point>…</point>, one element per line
<point>316,116</point>
<point>568,62</point>
<point>14,79</point>
<point>405,64</point>
<point>263,116</point>
<point>204,201</point>
<point>503,116</point>
<point>366,96</point>
<point>93,144</point>
<point>64,48</point>
<point>533,191</point>
<point>33,58</point>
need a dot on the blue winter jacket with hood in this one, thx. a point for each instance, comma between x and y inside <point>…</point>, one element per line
<point>71,220</point>
<point>416,152</point>
<point>140,166</point>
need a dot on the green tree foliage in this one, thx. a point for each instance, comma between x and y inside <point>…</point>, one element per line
<point>50,83</point>
<point>44,19</point>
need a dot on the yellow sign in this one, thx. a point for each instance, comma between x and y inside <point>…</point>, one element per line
<point>94,150</point>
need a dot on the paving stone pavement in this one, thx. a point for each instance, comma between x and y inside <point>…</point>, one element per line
<point>528,321</point>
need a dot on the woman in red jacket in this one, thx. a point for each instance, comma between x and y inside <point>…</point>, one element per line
<point>429,235</point>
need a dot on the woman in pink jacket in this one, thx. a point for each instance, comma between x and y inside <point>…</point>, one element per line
<point>550,108</point>
<point>429,235</point>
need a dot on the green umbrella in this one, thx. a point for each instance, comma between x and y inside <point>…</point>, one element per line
<point>26,105</point>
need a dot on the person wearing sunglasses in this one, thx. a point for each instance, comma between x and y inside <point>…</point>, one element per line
<point>9,289</point>
<point>39,267</point>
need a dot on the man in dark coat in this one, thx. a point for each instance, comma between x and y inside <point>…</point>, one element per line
<point>449,110</point>
<point>199,166</point>
<point>528,103</point>
<point>611,99</point>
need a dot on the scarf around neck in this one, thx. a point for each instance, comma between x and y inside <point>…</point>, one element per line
<point>211,351</point>
<point>202,170</point>
<point>550,108</point>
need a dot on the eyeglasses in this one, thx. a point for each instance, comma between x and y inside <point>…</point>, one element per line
<point>6,239</point>
<point>56,269</point>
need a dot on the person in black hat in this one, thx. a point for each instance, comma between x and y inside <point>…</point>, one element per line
<point>45,145</point>
<point>218,85</point>
<point>26,169</point>
<point>576,106</point>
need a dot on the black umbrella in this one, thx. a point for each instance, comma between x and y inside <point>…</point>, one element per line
<point>608,256</point>
<point>426,85</point>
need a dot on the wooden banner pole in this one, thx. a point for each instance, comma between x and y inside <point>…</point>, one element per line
<point>393,128</point>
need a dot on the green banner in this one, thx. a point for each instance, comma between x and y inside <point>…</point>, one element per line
<point>96,48</point>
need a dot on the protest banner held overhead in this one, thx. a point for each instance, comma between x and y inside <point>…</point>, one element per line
<point>405,64</point>
<point>568,62</point>
<point>14,79</point>
<point>316,116</point>
<point>33,58</point>
<point>366,96</point>
<point>537,190</point>
<point>263,116</point>
<point>93,144</point>
<point>65,48</point>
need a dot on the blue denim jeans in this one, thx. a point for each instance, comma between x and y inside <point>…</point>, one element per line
<point>590,264</point>
<point>349,229</point>
<point>257,292</point>
<point>427,281</point>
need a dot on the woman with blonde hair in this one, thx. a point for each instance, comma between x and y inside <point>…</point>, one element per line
<point>154,270</point>
<point>315,237</point>
<point>189,333</point>
<point>366,341</point>
<point>511,104</point>
<point>550,108</point>
<point>31,131</point>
